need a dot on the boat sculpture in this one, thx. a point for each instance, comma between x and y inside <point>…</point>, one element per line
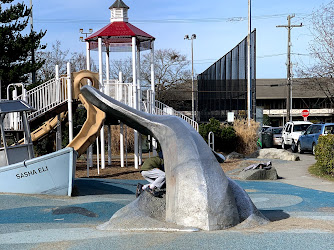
<point>20,171</point>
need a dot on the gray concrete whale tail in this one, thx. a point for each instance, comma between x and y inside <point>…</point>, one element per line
<point>198,193</point>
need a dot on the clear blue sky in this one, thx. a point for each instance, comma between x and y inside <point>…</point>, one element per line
<point>218,24</point>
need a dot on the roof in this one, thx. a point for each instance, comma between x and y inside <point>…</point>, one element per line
<point>301,88</point>
<point>121,30</point>
<point>119,4</point>
<point>9,106</point>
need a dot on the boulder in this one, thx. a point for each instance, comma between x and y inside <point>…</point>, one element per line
<point>234,155</point>
<point>258,174</point>
<point>275,153</point>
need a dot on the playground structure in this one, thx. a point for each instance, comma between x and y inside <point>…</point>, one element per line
<point>54,100</point>
<point>55,96</point>
<point>51,99</point>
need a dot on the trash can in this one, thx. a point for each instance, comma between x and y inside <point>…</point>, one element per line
<point>267,140</point>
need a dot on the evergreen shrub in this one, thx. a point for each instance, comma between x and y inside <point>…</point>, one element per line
<point>224,135</point>
<point>324,154</point>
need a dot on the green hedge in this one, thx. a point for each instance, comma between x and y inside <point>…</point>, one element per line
<point>225,136</point>
<point>324,152</point>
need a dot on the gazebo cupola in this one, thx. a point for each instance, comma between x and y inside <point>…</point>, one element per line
<point>119,12</point>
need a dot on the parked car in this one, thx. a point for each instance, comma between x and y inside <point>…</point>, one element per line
<point>309,139</point>
<point>276,135</point>
<point>291,132</point>
<point>265,127</point>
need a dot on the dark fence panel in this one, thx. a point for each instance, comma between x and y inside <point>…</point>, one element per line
<point>223,86</point>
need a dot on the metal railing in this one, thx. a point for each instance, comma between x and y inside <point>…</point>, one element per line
<point>121,92</point>
<point>54,92</point>
<point>46,96</point>
<point>162,109</point>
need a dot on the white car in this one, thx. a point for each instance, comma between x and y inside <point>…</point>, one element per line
<point>291,132</point>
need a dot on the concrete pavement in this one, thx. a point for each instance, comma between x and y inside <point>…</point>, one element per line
<point>297,174</point>
<point>302,218</point>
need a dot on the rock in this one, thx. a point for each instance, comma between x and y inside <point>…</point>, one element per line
<point>276,153</point>
<point>259,174</point>
<point>234,155</point>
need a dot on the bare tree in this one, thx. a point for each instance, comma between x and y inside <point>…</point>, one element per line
<point>57,56</point>
<point>53,57</point>
<point>124,66</point>
<point>171,69</point>
<point>320,73</point>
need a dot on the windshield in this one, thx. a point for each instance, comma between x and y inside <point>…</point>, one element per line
<point>277,131</point>
<point>329,129</point>
<point>300,127</point>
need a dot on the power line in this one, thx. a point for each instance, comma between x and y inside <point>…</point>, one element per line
<point>177,20</point>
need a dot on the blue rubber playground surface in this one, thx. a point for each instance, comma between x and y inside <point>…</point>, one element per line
<point>49,222</point>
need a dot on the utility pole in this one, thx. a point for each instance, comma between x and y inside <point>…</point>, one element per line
<point>289,67</point>
<point>33,76</point>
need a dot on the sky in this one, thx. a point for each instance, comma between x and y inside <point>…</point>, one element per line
<point>218,24</point>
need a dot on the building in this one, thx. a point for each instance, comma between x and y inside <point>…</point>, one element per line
<point>316,96</point>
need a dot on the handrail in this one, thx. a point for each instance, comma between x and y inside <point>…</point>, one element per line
<point>53,93</point>
<point>163,109</point>
<point>46,96</point>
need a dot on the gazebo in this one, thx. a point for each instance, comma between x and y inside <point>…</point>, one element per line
<point>120,35</point>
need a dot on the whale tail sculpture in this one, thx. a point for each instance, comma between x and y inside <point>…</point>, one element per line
<point>198,192</point>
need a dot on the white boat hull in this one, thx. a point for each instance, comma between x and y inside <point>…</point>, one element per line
<point>51,174</point>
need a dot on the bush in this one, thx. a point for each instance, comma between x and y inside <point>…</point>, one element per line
<point>224,135</point>
<point>246,136</point>
<point>324,154</point>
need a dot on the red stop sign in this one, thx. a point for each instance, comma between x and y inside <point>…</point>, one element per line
<point>305,113</point>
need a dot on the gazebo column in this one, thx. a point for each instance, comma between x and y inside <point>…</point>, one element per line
<point>107,90</point>
<point>90,148</point>
<point>135,95</point>
<point>152,97</point>
<point>140,155</point>
<point>121,128</point>
<point>101,89</point>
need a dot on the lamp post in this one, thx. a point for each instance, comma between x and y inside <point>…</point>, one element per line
<point>90,31</point>
<point>186,37</point>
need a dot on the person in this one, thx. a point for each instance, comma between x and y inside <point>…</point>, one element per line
<point>153,171</point>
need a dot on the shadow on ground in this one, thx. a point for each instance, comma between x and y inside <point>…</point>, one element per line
<point>83,187</point>
<point>275,215</point>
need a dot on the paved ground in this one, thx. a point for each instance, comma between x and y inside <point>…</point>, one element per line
<point>302,218</point>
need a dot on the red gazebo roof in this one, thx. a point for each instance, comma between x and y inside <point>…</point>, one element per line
<point>119,33</point>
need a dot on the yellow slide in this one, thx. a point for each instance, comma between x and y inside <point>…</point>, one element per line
<point>94,121</point>
<point>45,128</point>
<point>95,117</point>
<point>91,128</point>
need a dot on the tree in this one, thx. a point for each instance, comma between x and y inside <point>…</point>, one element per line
<point>57,56</point>
<point>16,48</point>
<point>321,72</point>
<point>124,66</point>
<point>171,69</point>
<point>170,66</point>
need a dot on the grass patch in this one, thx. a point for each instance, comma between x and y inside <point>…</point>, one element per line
<point>316,171</point>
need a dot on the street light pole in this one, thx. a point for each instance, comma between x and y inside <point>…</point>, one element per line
<point>90,31</point>
<point>193,36</point>
<point>249,75</point>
